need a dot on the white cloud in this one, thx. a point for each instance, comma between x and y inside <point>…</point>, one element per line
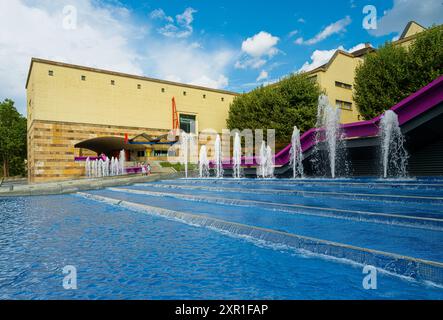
<point>292,33</point>
<point>357,47</point>
<point>301,20</point>
<point>106,38</point>
<point>28,31</point>
<point>425,12</point>
<point>185,62</point>
<point>261,44</point>
<point>321,57</point>
<point>250,63</point>
<point>262,76</point>
<point>257,50</point>
<point>160,14</point>
<point>181,27</point>
<point>336,27</point>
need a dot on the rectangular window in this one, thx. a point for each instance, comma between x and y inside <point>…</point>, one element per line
<point>163,90</point>
<point>140,154</point>
<point>187,123</point>
<point>83,78</point>
<point>343,104</point>
<point>160,153</point>
<point>343,85</point>
<point>184,93</point>
<point>50,73</point>
<point>139,86</point>
<point>204,96</point>
<point>112,83</point>
<point>222,99</point>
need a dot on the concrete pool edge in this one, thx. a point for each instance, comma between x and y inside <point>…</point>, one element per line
<point>374,217</point>
<point>417,269</point>
<point>73,186</point>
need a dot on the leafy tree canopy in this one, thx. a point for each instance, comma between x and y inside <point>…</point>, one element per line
<point>12,139</point>
<point>291,102</point>
<point>393,72</point>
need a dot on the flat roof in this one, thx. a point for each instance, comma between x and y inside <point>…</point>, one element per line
<point>120,74</point>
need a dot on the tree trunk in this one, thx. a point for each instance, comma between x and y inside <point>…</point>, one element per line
<point>5,168</point>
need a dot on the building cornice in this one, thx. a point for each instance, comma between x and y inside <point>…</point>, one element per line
<point>124,75</point>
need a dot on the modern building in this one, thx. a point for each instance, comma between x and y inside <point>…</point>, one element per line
<point>76,111</point>
<point>336,77</point>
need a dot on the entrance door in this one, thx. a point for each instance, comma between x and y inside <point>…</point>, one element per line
<point>187,123</point>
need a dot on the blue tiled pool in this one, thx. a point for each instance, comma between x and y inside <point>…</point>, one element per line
<point>129,245</point>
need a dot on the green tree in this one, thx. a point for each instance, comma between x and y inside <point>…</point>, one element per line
<point>393,72</point>
<point>12,139</point>
<point>426,58</point>
<point>290,102</point>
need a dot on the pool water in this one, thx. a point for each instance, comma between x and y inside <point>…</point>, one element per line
<point>125,254</point>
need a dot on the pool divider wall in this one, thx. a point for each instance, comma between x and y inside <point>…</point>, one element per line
<point>66,187</point>
<point>289,192</point>
<point>418,269</point>
<point>408,221</point>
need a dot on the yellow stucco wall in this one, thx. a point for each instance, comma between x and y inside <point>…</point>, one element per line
<point>341,69</point>
<point>65,97</point>
<point>64,110</point>
<point>413,29</point>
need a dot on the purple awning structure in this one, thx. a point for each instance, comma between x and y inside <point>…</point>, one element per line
<point>417,103</point>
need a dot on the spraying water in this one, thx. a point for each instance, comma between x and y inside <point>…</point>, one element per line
<point>269,168</point>
<point>296,154</point>
<point>218,157</point>
<point>203,163</point>
<point>122,161</point>
<point>394,156</point>
<point>266,165</point>
<point>236,169</point>
<point>184,148</point>
<point>262,160</point>
<point>88,167</point>
<point>331,135</point>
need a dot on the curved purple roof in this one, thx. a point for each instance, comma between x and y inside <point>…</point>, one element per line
<point>417,103</point>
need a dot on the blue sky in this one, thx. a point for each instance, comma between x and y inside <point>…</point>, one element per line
<point>233,45</point>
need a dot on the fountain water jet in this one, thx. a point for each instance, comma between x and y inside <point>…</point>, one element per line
<point>331,135</point>
<point>203,163</point>
<point>236,169</point>
<point>184,148</point>
<point>296,155</point>
<point>88,167</point>
<point>218,157</point>
<point>265,168</point>
<point>121,162</point>
<point>394,157</point>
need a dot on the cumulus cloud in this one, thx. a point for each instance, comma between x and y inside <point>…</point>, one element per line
<point>257,50</point>
<point>262,76</point>
<point>161,15</point>
<point>181,27</point>
<point>105,37</point>
<point>292,33</point>
<point>28,31</point>
<point>321,57</point>
<point>184,62</point>
<point>334,28</point>
<point>425,12</point>
<point>261,44</point>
